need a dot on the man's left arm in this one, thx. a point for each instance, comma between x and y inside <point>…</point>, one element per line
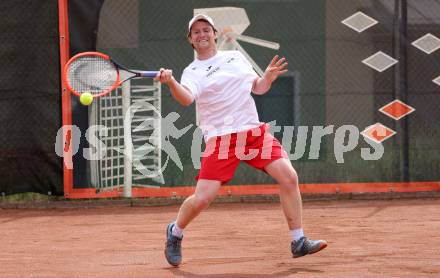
<point>275,68</point>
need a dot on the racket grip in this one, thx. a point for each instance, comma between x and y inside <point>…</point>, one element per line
<point>150,74</point>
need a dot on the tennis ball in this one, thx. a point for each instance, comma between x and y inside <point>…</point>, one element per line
<point>86,98</point>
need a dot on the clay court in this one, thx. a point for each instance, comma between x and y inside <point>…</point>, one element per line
<point>387,238</point>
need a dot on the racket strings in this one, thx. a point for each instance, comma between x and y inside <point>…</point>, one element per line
<point>92,74</point>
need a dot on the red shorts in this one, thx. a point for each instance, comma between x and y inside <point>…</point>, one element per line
<point>257,147</point>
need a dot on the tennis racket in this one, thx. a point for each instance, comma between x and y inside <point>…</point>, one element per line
<point>97,74</point>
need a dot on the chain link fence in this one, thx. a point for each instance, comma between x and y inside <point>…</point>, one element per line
<point>327,85</point>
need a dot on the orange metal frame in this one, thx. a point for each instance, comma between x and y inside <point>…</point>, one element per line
<point>264,189</point>
<point>65,96</point>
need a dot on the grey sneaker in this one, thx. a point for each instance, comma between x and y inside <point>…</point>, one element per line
<point>305,246</point>
<point>173,247</point>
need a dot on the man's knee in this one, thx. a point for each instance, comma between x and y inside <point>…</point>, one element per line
<point>290,181</point>
<point>203,201</point>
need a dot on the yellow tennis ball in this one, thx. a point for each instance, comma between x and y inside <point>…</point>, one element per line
<point>86,98</point>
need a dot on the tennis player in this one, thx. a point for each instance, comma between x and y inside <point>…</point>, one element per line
<point>221,82</point>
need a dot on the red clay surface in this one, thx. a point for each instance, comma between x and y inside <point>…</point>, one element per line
<point>390,238</point>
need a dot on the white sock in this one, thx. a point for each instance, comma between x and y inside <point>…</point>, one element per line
<point>177,231</point>
<point>296,234</point>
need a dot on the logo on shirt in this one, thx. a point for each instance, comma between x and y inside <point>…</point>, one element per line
<point>209,68</point>
<point>230,60</point>
<point>212,72</point>
<point>194,68</point>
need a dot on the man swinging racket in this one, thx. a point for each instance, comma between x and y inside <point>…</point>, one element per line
<point>221,82</point>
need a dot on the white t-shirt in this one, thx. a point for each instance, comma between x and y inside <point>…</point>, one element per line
<point>222,87</point>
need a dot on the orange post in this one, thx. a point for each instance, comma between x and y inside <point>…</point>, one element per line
<point>66,110</point>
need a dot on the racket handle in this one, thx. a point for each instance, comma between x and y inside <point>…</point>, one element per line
<point>150,74</point>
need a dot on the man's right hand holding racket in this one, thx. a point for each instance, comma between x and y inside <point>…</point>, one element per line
<point>180,93</point>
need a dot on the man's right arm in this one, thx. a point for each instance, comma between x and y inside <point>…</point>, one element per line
<point>178,91</point>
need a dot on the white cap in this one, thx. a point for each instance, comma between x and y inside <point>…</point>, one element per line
<point>200,17</point>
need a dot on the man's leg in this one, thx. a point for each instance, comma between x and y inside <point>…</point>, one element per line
<point>206,191</point>
<point>282,171</point>
<point>290,197</point>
